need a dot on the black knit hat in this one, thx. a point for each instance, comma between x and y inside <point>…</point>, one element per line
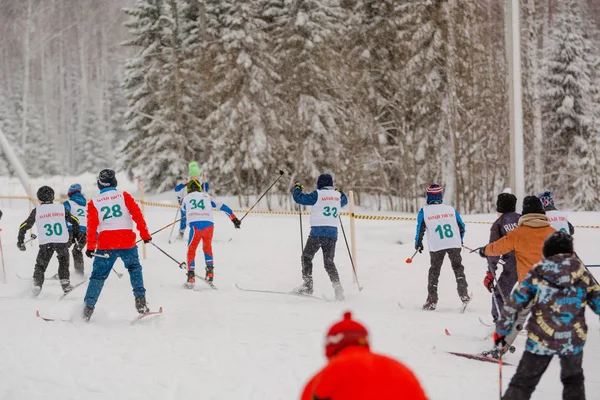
<point>532,205</point>
<point>45,194</point>
<point>193,186</point>
<point>558,243</point>
<point>507,202</point>
<point>324,180</point>
<point>106,179</point>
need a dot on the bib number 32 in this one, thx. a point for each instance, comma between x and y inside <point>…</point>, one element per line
<point>330,211</point>
<point>445,231</point>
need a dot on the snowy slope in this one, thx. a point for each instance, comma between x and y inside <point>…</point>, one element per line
<point>229,344</point>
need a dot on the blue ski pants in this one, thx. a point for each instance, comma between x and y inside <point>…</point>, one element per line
<point>183,221</point>
<point>101,270</point>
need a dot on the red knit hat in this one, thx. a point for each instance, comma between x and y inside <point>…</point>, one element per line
<point>345,333</point>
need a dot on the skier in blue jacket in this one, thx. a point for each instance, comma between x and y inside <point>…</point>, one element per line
<point>326,203</point>
<point>77,206</point>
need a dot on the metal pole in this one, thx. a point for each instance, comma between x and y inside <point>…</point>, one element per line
<point>513,53</point>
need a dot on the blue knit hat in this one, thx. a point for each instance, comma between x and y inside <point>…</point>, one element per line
<point>547,199</point>
<point>324,180</point>
<point>435,194</point>
<point>75,188</point>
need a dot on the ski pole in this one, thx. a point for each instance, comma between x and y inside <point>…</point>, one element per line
<point>31,238</point>
<point>263,195</point>
<point>593,266</point>
<point>120,275</point>
<point>469,249</point>
<point>2,253</point>
<point>301,235</point>
<point>409,260</point>
<point>161,229</point>
<point>360,288</point>
<point>173,227</point>
<point>182,265</point>
<point>500,376</point>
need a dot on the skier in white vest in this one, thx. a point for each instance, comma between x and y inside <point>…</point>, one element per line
<point>51,221</point>
<point>558,219</point>
<point>326,204</point>
<point>77,205</point>
<point>445,233</point>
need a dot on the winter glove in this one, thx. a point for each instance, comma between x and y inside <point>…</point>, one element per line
<point>481,252</point>
<point>148,240</point>
<point>499,341</point>
<point>0,214</point>
<point>89,253</point>
<point>236,222</point>
<point>297,185</point>
<point>488,281</point>
<point>21,246</point>
<point>419,247</point>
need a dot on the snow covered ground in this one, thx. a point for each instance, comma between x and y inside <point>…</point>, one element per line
<point>229,344</point>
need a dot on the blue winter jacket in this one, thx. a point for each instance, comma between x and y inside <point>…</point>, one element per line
<point>80,200</point>
<point>310,199</point>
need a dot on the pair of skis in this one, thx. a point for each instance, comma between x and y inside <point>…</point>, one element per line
<point>136,320</point>
<point>310,296</point>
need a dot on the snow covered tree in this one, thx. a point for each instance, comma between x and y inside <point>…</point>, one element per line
<point>568,110</point>
<point>91,152</point>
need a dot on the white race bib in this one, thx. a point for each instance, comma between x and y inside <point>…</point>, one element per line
<point>558,220</point>
<point>198,207</point>
<point>112,212</point>
<point>327,208</point>
<point>80,212</point>
<point>442,228</point>
<point>51,224</point>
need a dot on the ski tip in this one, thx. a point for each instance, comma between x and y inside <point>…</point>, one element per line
<point>400,305</point>
<point>447,332</point>
<point>37,313</point>
<point>160,310</point>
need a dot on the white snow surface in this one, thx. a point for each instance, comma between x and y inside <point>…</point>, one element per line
<point>230,344</point>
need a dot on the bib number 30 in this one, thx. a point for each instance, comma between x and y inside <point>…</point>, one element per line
<point>330,211</point>
<point>445,231</point>
<point>55,229</point>
<point>110,212</point>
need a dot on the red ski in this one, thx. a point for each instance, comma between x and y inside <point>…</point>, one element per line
<point>478,357</point>
<point>37,314</point>
<point>139,318</point>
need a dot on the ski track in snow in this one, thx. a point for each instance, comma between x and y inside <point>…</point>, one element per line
<point>229,344</point>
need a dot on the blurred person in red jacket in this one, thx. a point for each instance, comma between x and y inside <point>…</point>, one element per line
<point>354,372</point>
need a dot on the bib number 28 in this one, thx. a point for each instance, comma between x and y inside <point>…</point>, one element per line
<point>445,231</point>
<point>330,211</point>
<point>110,212</point>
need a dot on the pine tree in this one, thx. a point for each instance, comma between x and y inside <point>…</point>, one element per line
<point>91,153</point>
<point>568,112</point>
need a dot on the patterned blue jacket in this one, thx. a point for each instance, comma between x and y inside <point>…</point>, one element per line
<point>557,289</point>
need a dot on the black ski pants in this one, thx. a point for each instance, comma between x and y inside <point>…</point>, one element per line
<point>76,251</point>
<point>313,244</point>
<point>532,367</point>
<point>43,259</point>
<point>437,259</point>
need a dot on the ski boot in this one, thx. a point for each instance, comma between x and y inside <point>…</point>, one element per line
<point>140,305</point>
<point>431,303</point>
<point>180,235</point>
<point>87,313</point>
<point>66,285</point>
<point>36,290</point>
<point>498,352</point>
<point>465,302</point>
<point>306,289</point>
<point>191,279</point>
<point>339,291</point>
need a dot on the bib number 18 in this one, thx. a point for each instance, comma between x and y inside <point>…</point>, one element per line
<point>445,231</point>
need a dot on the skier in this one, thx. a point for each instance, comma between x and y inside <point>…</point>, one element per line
<point>445,234</point>
<point>558,220</point>
<point>326,202</point>
<point>507,220</point>
<point>51,221</point>
<point>198,206</point>
<point>526,240</point>
<point>354,372</point>
<point>110,233</point>
<point>557,291</point>
<point>180,191</point>
<point>76,205</point>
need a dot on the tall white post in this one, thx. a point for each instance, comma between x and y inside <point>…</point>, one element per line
<point>513,53</point>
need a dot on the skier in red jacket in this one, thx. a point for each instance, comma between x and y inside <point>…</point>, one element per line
<point>354,372</point>
<point>110,234</point>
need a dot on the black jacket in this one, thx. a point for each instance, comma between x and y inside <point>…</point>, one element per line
<point>30,221</point>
